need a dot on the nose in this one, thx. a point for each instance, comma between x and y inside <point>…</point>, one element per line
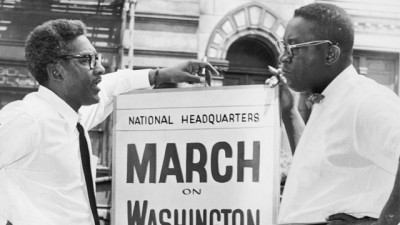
<point>99,69</point>
<point>284,58</point>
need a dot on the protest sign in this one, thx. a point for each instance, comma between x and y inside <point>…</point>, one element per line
<point>196,156</point>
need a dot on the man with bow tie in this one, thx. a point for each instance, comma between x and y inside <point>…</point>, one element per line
<point>347,156</point>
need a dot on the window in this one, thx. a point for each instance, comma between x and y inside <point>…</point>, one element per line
<point>383,67</point>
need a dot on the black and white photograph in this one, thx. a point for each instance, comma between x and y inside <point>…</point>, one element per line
<point>199,112</point>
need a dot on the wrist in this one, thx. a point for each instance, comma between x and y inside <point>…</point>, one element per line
<point>154,76</point>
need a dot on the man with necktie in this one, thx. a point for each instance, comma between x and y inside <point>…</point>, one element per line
<point>46,165</point>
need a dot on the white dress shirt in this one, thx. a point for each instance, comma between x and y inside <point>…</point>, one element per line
<point>347,157</point>
<point>41,176</point>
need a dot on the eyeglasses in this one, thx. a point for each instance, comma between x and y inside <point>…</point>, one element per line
<point>92,58</point>
<point>287,49</point>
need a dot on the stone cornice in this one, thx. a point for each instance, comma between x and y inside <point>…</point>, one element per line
<point>169,54</point>
<point>167,18</point>
<point>377,26</point>
<point>10,42</point>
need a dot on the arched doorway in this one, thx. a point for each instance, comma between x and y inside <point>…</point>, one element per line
<point>243,44</point>
<point>249,58</point>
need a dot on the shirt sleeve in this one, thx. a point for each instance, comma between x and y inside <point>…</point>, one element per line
<point>18,135</point>
<point>113,84</point>
<point>378,131</point>
<point>3,221</point>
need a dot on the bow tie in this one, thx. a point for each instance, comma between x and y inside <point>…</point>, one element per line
<point>314,99</point>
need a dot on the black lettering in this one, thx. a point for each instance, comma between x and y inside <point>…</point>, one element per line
<point>204,118</point>
<point>244,119</point>
<point>221,178</point>
<point>169,120</point>
<point>151,120</point>
<point>218,118</point>
<point>250,219</point>
<point>212,121</point>
<point>135,217</point>
<point>256,117</point>
<point>201,220</point>
<point>157,120</point>
<point>148,160</point>
<point>234,217</point>
<point>231,117</point>
<point>191,216</point>
<point>185,119</point>
<point>198,119</point>
<point>195,191</point>
<point>225,118</point>
<point>152,217</point>
<point>237,116</point>
<point>218,215</point>
<point>225,213</point>
<point>199,167</point>
<point>138,216</point>
<point>176,217</point>
<point>250,117</point>
<point>254,164</point>
<point>171,155</point>
<point>143,119</point>
<point>161,215</point>
<point>131,120</point>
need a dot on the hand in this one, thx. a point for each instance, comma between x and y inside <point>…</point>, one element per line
<point>287,99</point>
<point>186,72</point>
<point>276,79</point>
<point>345,219</point>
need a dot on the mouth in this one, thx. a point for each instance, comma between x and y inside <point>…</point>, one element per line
<point>96,83</point>
<point>285,72</point>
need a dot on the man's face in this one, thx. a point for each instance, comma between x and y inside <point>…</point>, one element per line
<point>304,70</point>
<point>80,82</point>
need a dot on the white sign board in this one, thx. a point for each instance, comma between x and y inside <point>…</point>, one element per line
<point>203,156</point>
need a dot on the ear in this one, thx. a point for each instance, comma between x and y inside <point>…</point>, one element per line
<point>332,55</point>
<point>54,71</point>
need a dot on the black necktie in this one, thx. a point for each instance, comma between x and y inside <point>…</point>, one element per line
<point>84,149</point>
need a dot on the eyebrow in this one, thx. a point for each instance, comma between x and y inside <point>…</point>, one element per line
<point>292,40</point>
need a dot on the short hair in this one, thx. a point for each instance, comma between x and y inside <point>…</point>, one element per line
<point>47,41</point>
<point>330,23</point>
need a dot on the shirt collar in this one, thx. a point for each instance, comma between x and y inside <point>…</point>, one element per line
<point>60,106</point>
<point>339,80</point>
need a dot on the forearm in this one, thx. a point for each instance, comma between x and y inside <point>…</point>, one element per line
<point>113,84</point>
